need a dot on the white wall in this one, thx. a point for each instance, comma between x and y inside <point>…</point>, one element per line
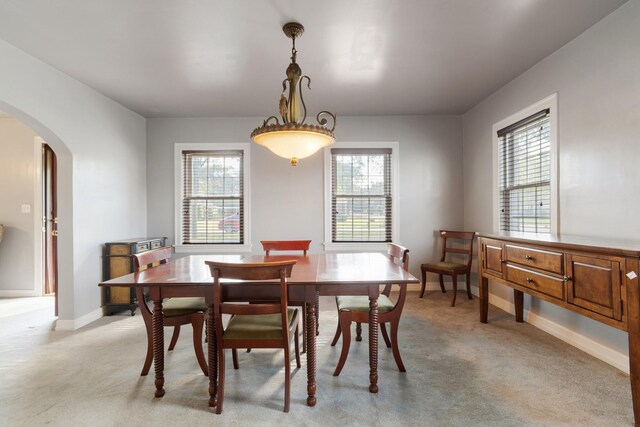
<point>100,147</point>
<point>597,78</point>
<point>17,181</point>
<point>287,202</point>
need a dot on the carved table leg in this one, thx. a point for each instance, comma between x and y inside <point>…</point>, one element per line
<point>518,301</point>
<point>158,345</point>
<point>373,344</point>
<point>483,286</point>
<point>213,358</point>
<point>311,353</point>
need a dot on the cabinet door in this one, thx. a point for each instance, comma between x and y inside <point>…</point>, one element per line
<point>492,257</point>
<point>595,284</point>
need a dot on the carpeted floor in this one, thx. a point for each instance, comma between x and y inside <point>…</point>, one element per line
<point>459,373</point>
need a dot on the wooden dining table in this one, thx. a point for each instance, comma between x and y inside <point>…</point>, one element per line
<point>323,274</point>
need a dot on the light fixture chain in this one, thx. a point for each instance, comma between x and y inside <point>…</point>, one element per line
<point>294,52</point>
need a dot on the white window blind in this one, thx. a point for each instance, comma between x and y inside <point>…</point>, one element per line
<point>524,174</point>
<point>361,202</point>
<point>213,203</point>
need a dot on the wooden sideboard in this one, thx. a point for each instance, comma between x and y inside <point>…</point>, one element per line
<point>597,278</point>
<point>117,261</point>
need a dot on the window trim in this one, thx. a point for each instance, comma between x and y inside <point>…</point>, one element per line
<point>330,246</point>
<point>178,194</point>
<point>550,102</point>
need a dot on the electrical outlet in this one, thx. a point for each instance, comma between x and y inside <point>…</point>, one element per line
<point>25,208</point>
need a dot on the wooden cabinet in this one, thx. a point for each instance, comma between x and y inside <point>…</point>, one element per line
<point>117,261</point>
<point>588,283</point>
<point>597,278</point>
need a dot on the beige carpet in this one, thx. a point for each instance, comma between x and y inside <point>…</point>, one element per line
<point>459,373</point>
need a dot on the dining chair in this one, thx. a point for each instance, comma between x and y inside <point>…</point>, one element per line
<point>176,311</point>
<point>356,309</point>
<point>285,245</point>
<point>295,245</point>
<point>448,268</point>
<point>260,325</point>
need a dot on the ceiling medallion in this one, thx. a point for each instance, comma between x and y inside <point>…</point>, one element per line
<point>294,139</point>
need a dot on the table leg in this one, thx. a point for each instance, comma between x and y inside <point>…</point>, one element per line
<point>213,357</point>
<point>633,319</point>
<point>518,301</point>
<point>483,286</point>
<point>158,345</point>
<point>373,344</point>
<point>311,353</point>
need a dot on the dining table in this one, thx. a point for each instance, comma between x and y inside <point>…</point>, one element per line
<point>312,275</point>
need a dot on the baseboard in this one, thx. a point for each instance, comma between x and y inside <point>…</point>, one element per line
<point>18,293</point>
<point>435,286</point>
<point>589,346</point>
<point>72,325</point>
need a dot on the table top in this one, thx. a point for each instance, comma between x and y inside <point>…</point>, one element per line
<point>355,268</point>
<point>569,241</point>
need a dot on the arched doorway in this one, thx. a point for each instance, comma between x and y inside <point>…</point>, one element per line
<point>64,195</point>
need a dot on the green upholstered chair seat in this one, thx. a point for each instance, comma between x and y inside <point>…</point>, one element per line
<point>447,266</point>
<point>182,306</point>
<point>257,326</point>
<point>361,303</point>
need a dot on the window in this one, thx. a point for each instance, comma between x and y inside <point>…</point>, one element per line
<point>361,189</point>
<point>526,164</point>
<point>212,208</point>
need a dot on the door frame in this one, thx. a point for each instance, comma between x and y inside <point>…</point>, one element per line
<point>38,247</point>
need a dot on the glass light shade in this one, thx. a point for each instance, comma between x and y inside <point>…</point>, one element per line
<point>293,144</point>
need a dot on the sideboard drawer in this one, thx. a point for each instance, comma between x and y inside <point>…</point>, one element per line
<point>545,260</point>
<point>143,247</point>
<point>538,282</point>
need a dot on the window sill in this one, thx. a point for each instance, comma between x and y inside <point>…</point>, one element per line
<point>355,247</point>
<point>213,249</point>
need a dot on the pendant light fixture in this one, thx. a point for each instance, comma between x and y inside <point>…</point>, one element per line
<point>294,139</point>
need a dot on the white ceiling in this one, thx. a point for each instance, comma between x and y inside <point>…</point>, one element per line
<point>227,58</point>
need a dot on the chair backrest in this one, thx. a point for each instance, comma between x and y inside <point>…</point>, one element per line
<point>144,261</point>
<point>151,258</point>
<point>467,248</point>
<point>266,271</point>
<point>285,245</point>
<point>398,255</point>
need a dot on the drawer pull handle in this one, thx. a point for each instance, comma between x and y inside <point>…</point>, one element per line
<point>528,257</point>
<point>528,280</point>
<point>566,278</point>
<point>502,261</point>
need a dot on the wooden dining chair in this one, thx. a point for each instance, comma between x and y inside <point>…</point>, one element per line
<point>260,325</point>
<point>295,245</point>
<point>356,309</point>
<point>176,311</point>
<point>285,245</point>
<point>448,268</point>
